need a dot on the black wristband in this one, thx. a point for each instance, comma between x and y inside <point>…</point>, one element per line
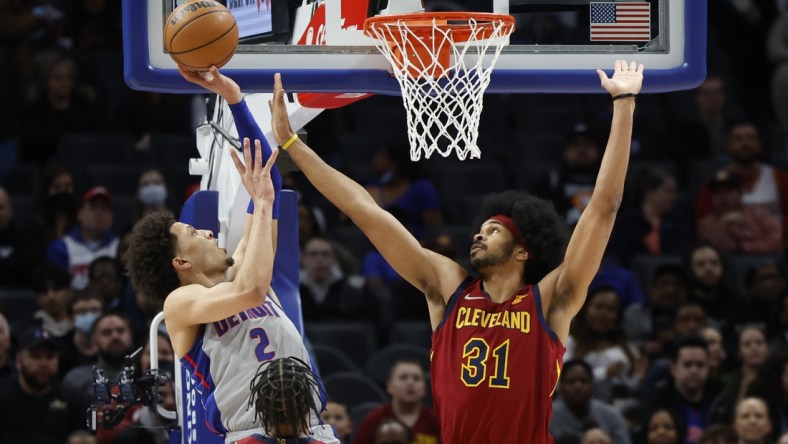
<point>624,96</point>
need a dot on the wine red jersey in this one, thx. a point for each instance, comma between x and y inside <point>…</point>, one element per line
<point>494,368</point>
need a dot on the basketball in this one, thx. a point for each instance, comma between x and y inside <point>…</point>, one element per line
<point>199,34</point>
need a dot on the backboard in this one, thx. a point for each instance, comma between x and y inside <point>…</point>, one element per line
<point>319,45</point>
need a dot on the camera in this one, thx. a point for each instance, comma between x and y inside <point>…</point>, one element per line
<point>111,399</point>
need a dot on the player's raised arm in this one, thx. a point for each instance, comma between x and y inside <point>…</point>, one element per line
<point>568,285</point>
<point>435,275</point>
<point>247,128</point>
<point>198,304</point>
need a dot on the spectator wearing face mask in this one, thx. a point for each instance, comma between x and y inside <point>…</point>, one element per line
<point>56,204</point>
<point>152,193</point>
<point>86,308</point>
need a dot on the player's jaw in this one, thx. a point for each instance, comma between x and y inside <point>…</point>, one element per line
<point>485,256</point>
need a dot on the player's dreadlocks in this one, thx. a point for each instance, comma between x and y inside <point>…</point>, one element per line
<point>283,394</point>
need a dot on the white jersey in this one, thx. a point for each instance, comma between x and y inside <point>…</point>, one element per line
<point>226,355</point>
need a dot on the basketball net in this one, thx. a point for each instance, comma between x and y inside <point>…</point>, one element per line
<point>443,63</point>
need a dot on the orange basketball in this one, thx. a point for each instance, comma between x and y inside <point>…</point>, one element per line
<point>199,34</point>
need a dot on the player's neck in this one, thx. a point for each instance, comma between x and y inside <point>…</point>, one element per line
<point>205,279</point>
<point>502,283</point>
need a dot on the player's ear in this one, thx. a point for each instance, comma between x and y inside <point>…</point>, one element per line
<point>520,254</point>
<point>181,264</point>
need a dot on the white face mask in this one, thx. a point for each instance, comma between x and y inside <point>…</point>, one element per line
<point>153,194</point>
<point>84,321</point>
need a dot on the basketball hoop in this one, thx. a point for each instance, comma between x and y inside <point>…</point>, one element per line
<point>439,61</point>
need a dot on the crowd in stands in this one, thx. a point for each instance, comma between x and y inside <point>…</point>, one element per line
<point>683,337</point>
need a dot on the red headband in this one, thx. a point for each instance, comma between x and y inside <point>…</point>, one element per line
<point>507,222</point>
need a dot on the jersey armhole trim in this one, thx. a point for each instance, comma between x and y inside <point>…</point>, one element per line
<point>540,313</point>
<point>453,300</point>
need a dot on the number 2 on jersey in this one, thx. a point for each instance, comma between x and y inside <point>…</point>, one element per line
<point>259,351</point>
<point>475,355</point>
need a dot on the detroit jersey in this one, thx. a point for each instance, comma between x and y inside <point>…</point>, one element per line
<point>226,355</point>
<point>494,367</point>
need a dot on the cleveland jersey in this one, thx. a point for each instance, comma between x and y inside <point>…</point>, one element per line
<point>494,368</point>
<point>226,355</point>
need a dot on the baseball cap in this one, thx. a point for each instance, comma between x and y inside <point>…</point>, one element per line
<point>581,130</point>
<point>724,180</point>
<point>97,193</point>
<point>35,336</point>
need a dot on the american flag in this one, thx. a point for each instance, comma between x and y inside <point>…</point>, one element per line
<point>621,21</point>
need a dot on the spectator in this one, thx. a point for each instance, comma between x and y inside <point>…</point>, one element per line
<point>737,228</point>
<point>400,189</point>
<point>663,426</point>
<point>105,277</point>
<point>53,296</point>
<point>152,193</point>
<point>666,291</point>
<point>7,367</point>
<point>575,409</point>
<point>406,387</point>
<point>56,206</point>
<point>392,431</point>
<point>689,390</point>
<point>326,293</point>
<point>596,436</point>
<point>717,354</point>
<point>765,285</point>
<point>17,250</point>
<point>111,336</point>
<point>86,307</point>
<point>702,135</point>
<point>597,336</point>
<point>689,320</point>
<point>570,185</point>
<point>761,184</point>
<point>752,350</point>
<point>704,266</point>
<point>34,407</point>
<point>55,106</point>
<point>780,337</point>
<point>777,49</point>
<point>751,421</point>
<point>719,434</point>
<point>336,415</point>
<point>651,227</point>
<point>771,385</point>
<point>90,239</point>
<point>81,437</point>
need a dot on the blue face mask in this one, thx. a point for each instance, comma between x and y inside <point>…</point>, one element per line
<point>153,194</point>
<point>84,321</point>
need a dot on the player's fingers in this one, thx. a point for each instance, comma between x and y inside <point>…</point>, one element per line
<point>247,153</point>
<point>271,161</point>
<point>618,66</point>
<point>258,155</point>
<point>602,75</point>
<point>271,105</point>
<point>633,66</point>
<point>640,69</point>
<point>237,161</point>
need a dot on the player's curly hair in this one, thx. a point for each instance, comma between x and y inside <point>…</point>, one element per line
<point>283,394</point>
<point>149,257</point>
<point>544,231</point>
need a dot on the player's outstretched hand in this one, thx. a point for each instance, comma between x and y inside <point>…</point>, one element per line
<point>627,78</point>
<point>256,177</point>
<point>280,122</point>
<point>215,82</point>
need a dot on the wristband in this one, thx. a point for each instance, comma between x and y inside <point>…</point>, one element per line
<point>289,142</point>
<point>624,96</point>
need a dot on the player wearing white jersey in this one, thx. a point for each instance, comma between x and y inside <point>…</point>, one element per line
<point>222,317</point>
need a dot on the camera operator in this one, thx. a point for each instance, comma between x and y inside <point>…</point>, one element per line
<point>34,406</point>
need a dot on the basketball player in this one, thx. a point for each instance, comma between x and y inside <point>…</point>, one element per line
<point>497,338</point>
<point>283,396</point>
<point>221,314</point>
